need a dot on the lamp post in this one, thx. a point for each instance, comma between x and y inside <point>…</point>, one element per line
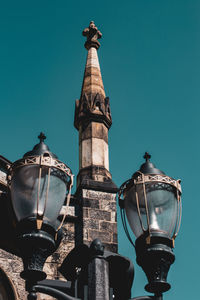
<point>39,183</point>
<point>152,203</point>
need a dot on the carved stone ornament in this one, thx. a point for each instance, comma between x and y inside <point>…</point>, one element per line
<point>94,108</point>
<point>92,34</point>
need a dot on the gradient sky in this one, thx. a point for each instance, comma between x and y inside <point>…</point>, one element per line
<point>150,63</point>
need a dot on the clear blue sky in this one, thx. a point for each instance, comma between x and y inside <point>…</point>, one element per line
<point>150,62</point>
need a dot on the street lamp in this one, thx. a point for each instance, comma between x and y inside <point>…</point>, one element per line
<point>152,203</point>
<point>38,183</point>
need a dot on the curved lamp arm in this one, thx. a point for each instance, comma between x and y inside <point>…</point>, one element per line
<point>53,292</point>
<point>143,298</point>
<point>159,297</point>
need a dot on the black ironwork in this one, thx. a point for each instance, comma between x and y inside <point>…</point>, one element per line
<point>40,148</point>
<point>121,270</point>
<point>147,156</point>
<point>153,244</point>
<point>49,291</point>
<point>35,246</point>
<point>155,297</point>
<point>155,259</point>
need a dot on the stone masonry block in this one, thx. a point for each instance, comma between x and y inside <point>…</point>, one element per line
<point>64,250</point>
<point>100,214</point>
<point>85,212</point>
<point>113,216</point>
<point>108,205</point>
<point>68,233</point>
<point>102,235</point>
<point>98,195</point>
<point>92,203</point>
<point>67,210</point>
<point>114,238</point>
<point>108,226</point>
<point>91,224</point>
<point>51,270</point>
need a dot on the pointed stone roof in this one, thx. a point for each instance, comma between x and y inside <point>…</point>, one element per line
<point>93,103</point>
<point>92,81</point>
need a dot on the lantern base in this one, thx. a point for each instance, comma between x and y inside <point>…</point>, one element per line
<point>155,259</point>
<point>35,246</point>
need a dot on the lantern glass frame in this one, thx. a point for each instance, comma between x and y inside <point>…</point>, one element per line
<point>46,177</point>
<point>141,215</point>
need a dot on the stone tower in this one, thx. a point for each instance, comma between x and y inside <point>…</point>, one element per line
<point>96,191</point>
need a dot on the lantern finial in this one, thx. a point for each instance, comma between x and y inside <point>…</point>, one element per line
<point>42,137</point>
<point>147,156</point>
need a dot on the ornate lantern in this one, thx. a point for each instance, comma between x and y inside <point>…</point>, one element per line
<point>39,183</point>
<point>152,203</point>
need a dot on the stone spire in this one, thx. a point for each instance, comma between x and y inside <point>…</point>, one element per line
<point>93,103</point>
<point>92,117</point>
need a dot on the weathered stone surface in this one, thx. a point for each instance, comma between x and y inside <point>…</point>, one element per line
<point>99,214</point>
<point>113,216</point>
<point>108,226</point>
<point>69,210</point>
<point>12,266</point>
<point>92,82</point>
<point>91,203</point>
<point>93,34</point>
<point>94,130</point>
<point>86,234</point>
<point>108,205</point>
<point>91,223</point>
<point>63,251</point>
<point>51,270</point>
<point>115,239</point>
<point>85,212</point>
<point>93,151</point>
<point>100,221</point>
<point>91,194</point>
<point>102,235</point>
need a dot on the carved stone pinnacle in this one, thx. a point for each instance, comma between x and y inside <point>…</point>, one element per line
<point>93,34</point>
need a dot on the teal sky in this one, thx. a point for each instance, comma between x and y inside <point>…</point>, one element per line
<point>150,63</point>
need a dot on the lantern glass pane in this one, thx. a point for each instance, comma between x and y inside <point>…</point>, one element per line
<point>162,208</point>
<point>131,209</point>
<point>25,191</point>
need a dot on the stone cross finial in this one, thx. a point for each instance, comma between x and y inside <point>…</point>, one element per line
<point>42,137</point>
<point>147,156</point>
<point>93,34</point>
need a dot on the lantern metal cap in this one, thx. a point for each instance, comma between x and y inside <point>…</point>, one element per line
<point>40,148</point>
<point>148,167</point>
